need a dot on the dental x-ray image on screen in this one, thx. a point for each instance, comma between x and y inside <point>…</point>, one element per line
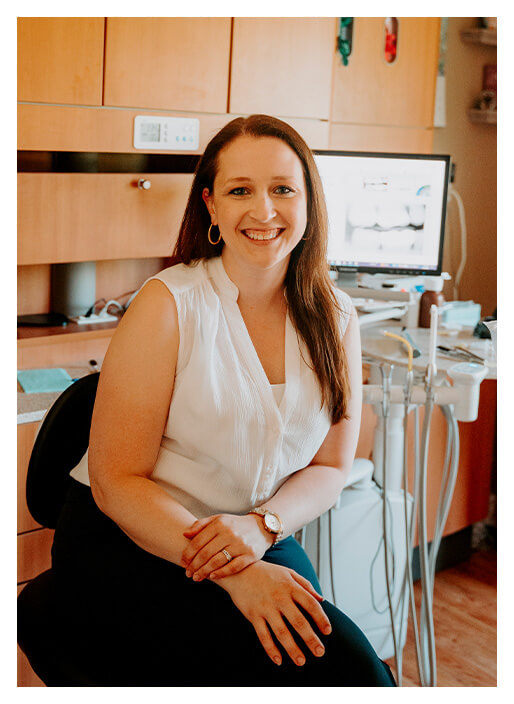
<point>386,212</point>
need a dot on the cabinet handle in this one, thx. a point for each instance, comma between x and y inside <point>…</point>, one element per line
<point>144,184</point>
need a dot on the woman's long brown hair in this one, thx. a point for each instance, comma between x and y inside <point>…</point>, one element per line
<point>313,306</point>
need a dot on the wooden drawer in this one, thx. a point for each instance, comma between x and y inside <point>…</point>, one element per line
<point>72,217</point>
<point>61,350</point>
<point>34,553</point>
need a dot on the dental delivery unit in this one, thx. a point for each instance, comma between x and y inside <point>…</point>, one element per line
<point>362,548</point>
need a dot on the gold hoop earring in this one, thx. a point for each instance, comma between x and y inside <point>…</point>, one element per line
<point>209,236</point>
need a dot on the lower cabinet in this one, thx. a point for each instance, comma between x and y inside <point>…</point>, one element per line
<point>34,541</point>
<point>34,553</point>
<point>33,558</point>
<point>26,676</point>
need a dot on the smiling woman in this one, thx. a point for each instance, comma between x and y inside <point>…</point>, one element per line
<point>267,208</point>
<point>312,301</point>
<point>198,470</point>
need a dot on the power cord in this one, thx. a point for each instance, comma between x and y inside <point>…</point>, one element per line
<point>110,302</point>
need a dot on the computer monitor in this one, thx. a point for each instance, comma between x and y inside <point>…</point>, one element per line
<point>386,212</point>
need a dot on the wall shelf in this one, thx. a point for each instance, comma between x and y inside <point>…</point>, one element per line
<point>479,35</point>
<point>31,336</point>
<point>483,116</point>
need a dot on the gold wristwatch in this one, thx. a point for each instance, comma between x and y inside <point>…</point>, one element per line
<point>272,522</point>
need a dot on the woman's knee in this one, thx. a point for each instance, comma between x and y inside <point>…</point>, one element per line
<point>357,660</point>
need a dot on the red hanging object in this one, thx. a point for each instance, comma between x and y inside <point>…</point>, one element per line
<point>391,39</point>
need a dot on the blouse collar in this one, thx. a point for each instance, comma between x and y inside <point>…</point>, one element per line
<point>223,282</point>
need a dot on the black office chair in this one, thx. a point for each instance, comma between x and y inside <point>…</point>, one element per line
<point>62,440</point>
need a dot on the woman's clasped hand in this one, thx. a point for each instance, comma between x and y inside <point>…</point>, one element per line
<point>274,598</point>
<point>224,544</point>
<point>270,597</point>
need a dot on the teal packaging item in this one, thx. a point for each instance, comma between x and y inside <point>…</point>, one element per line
<point>35,381</point>
<point>461,313</point>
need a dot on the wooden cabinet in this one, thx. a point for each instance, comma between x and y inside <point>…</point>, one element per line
<point>167,63</point>
<point>26,675</point>
<point>34,542</point>
<point>72,217</point>
<point>59,347</point>
<point>34,553</point>
<point>285,66</point>
<point>282,66</point>
<point>26,436</point>
<point>60,59</point>
<point>371,91</point>
<point>380,138</point>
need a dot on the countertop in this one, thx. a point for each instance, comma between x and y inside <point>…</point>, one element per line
<point>386,349</point>
<point>32,407</point>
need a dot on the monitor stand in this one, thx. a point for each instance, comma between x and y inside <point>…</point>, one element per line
<point>347,279</point>
<point>391,304</point>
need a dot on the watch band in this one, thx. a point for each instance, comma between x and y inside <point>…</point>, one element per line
<point>263,512</point>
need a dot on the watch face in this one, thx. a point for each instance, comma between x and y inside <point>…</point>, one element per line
<point>272,522</point>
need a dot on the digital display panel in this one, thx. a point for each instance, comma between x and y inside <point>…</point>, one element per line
<point>150,131</point>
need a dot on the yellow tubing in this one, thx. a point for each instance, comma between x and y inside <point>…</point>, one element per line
<point>405,342</point>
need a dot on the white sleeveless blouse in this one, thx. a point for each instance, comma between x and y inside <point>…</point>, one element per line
<point>231,439</point>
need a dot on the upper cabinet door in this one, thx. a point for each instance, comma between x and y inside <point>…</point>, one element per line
<point>282,66</point>
<point>168,63</point>
<point>373,91</point>
<point>60,59</point>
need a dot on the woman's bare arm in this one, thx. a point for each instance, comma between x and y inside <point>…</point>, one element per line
<point>129,417</point>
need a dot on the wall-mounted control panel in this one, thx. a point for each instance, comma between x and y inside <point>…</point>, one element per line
<point>173,133</point>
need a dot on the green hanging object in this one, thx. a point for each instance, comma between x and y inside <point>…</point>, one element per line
<point>345,38</point>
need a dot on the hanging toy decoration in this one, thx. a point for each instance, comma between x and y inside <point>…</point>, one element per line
<point>345,38</point>
<point>391,39</point>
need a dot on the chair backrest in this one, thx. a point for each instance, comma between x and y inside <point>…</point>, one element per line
<point>61,442</point>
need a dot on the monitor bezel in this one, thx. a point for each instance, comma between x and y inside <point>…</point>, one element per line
<point>411,271</point>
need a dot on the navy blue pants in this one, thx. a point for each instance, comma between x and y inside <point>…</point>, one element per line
<point>124,617</point>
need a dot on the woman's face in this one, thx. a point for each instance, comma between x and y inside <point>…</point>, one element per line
<point>258,201</point>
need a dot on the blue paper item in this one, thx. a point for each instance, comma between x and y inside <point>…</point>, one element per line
<point>461,313</point>
<point>34,381</point>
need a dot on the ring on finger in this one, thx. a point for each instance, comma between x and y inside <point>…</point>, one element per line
<point>227,555</point>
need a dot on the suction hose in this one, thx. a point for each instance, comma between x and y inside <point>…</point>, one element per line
<point>428,642</point>
<point>386,384</point>
<point>409,526</point>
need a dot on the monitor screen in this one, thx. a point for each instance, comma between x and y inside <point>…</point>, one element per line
<point>386,212</point>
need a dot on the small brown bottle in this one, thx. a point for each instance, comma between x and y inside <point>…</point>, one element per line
<point>432,296</point>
